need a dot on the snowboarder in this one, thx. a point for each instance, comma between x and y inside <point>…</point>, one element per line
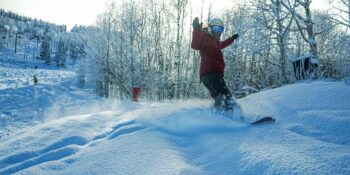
<point>212,62</point>
<point>35,79</point>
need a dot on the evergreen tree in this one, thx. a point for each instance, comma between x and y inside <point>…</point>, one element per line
<point>45,48</point>
<point>61,54</point>
<point>74,52</point>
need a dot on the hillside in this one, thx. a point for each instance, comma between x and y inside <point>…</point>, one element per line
<point>78,133</point>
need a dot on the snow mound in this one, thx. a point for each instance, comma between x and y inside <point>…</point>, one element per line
<point>320,110</point>
<point>311,136</point>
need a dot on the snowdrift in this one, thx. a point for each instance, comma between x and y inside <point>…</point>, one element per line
<point>311,136</point>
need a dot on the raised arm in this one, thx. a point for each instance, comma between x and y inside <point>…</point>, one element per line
<point>196,34</point>
<point>196,39</point>
<point>228,41</point>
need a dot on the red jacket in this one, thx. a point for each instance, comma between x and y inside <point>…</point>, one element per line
<point>209,48</point>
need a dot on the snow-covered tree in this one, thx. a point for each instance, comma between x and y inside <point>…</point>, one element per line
<point>341,12</point>
<point>61,54</point>
<point>45,53</point>
<point>146,43</point>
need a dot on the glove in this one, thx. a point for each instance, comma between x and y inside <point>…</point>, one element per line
<point>235,36</point>
<point>196,25</point>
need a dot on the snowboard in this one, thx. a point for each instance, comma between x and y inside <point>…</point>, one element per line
<point>265,119</point>
<point>237,114</point>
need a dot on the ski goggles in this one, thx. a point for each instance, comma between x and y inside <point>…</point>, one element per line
<point>218,29</point>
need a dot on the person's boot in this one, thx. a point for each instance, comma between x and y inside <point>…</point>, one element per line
<point>230,103</point>
<point>219,103</point>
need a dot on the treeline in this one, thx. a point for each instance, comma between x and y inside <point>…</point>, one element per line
<point>146,44</point>
<point>36,39</point>
<point>8,15</point>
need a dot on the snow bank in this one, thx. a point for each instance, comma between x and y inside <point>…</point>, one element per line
<point>311,136</point>
<point>318,109</point>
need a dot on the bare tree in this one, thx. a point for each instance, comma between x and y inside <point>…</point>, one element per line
<point>341,12</point>
<point>278,21</point>
<point>304,23</point>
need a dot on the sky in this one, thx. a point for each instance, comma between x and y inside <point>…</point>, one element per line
<point>84,12</point>
<point>68,12</point>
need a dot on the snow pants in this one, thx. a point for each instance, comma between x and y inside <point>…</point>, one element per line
<point>218,90</point>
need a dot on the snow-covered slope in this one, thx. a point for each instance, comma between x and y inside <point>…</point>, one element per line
<point>78,133</point>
